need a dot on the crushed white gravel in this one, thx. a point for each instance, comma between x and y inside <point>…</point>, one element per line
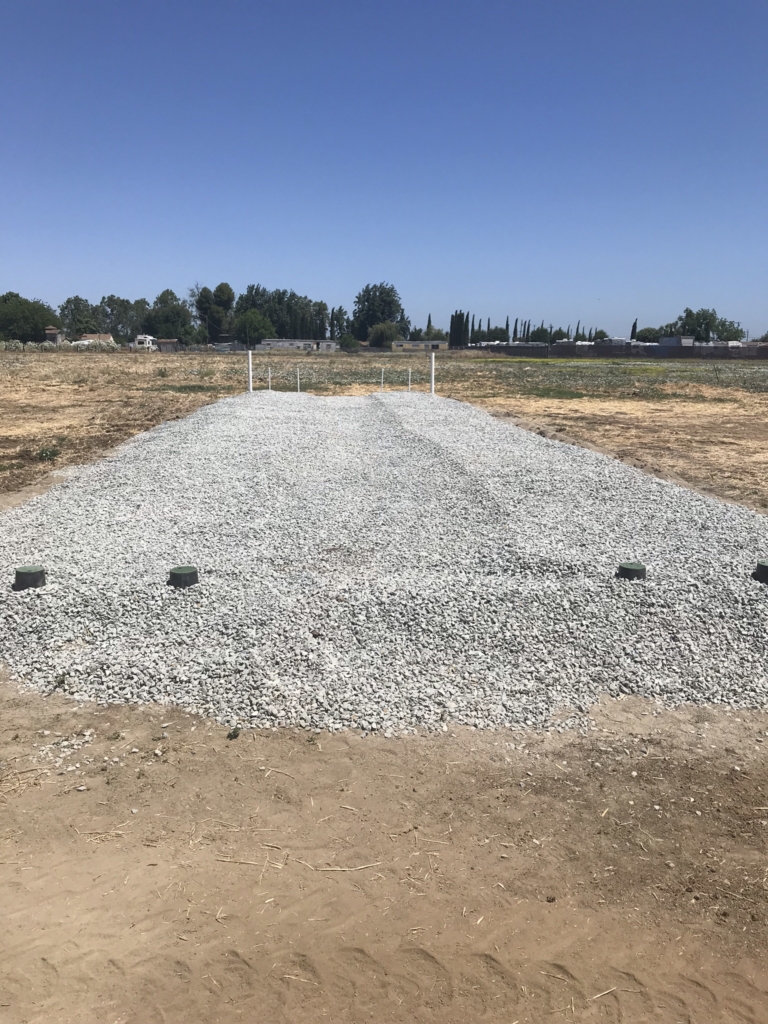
<point>382,563</point>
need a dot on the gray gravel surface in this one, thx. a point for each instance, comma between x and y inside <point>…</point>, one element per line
<point>383,563</point>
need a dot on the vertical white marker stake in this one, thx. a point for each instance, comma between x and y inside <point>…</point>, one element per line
<point>250,371</point>
<point>432,373</point>
<point>409,379</point>
<point>269,378</point>
<point>298,380</point>
<point>381,386</point>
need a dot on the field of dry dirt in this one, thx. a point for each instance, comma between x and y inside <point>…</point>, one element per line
<point>153,870</point>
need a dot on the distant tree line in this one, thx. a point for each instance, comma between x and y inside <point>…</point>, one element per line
<point>464,331</point>
<point>704,326</point>
<point>210,315</point>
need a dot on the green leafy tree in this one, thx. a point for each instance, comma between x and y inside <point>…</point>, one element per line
<point>343,323</point>
<point>349,343</point>
<point>433,334</point>
<point>704,325</point>
<point>121,318</point>
<point>417,334</point>
<point>79,317</point>
<point>319,320</point>
<point>338,324</point>
<point>292,315</point>
<point>648,334</point>
<point>169,317</point>
<point>458,336</point>
<point>539,335</point>
<point>25,319</point>
<point>377,304</point>
<point>214,309</point>
<point>252,327</point>
<point>382,335</point>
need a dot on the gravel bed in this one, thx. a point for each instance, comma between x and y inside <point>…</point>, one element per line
<point>382,563</point>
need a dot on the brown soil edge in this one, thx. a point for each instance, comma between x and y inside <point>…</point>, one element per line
<point>536,427</point>
<point>12,499</point>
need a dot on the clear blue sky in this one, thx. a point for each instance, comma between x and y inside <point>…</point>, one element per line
<point>553,159</point>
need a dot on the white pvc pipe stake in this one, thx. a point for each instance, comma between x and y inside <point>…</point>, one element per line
<point>298,380</point>
<point>381,386</point>
<point>409,380</point>
<point>269,378</point>
<point>250,371</point>
<point>432,373</point>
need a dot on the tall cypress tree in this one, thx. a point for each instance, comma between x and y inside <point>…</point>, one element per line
<point>465,333</point>
<point>429,322</point>
<point>633,334</point>
<point>506,329</point>
<point>459,326</point>
<point>489,325</point>
<point>514,331</point>
<point>576,335</point>
<point>472,329</point>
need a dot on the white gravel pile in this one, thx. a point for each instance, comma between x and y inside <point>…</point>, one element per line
<point>381,563</point>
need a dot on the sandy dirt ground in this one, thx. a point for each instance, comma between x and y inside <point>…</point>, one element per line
<point>153,870</point>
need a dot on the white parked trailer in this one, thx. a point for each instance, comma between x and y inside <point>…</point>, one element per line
<point>144,343</point>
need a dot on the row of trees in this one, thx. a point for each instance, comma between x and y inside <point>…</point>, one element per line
<point>464,332</point>
<point>209,315</point>
<point>704,325</point>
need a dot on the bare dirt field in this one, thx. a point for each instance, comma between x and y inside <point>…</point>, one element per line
<point>153,870</point>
